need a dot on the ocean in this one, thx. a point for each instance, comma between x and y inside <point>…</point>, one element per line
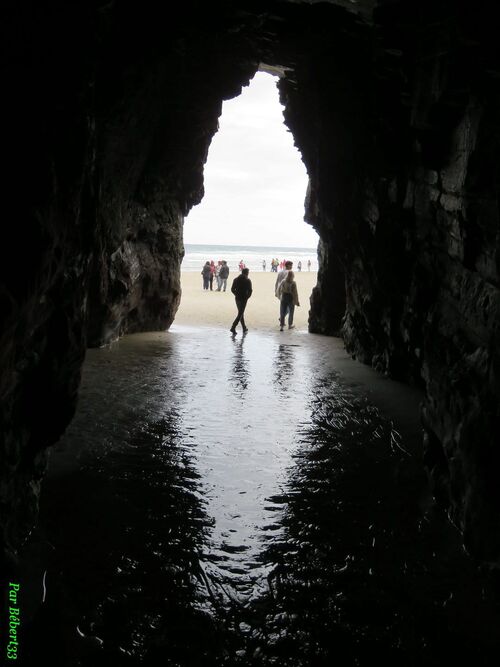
<point>252,256</point>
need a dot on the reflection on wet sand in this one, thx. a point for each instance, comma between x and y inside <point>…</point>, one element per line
<point>354,574</point>
<point>240,375</point>
<point>132,581</point>
<point>284,366</point>
<point>227,501</point>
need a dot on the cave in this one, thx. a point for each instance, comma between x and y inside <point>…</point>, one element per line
<point>108,114</point>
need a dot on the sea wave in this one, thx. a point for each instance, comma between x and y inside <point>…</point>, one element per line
<point>252,256</point>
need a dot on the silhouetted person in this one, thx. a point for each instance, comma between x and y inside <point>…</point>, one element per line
<point>205,272</point>
<point>242,290</point>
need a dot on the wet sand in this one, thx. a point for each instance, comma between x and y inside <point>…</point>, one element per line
<point>203,307</point>
<point>252,500</point>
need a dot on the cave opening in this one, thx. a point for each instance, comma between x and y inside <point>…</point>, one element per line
<point>252,211</point>
<point>254,178</point>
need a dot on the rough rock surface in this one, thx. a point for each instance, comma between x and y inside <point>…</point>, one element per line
<point>395,109</point>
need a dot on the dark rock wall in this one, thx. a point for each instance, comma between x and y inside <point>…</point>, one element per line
<point>159,90</point>
<point>48,234</point>
<point>400,135</point>
<point>111,111</point>
<point>325,93</point>
<point>434,205</point>
<point>461,351</point>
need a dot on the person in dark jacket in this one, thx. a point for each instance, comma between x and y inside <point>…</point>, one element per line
<point>212,275</point>
<point>205,272</point>
<point>242,290</point>
<point>223,275</point>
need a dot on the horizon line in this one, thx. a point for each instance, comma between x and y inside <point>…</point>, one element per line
<point>247,245</point>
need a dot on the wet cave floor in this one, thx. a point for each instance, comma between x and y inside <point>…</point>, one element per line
<point>254,500</point>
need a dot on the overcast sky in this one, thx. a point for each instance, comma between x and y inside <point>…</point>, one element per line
<point>255,180</point>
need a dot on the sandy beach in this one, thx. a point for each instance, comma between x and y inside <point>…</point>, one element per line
<point>218,308</point>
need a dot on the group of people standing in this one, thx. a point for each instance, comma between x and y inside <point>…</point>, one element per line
<point>285,290</point>
<point>275,264</point>
<point>219,272</point>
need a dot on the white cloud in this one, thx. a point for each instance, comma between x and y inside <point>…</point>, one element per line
<point>255,180</point>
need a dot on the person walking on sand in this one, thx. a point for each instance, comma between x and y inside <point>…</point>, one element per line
<point>205,272</point>
<point>242,290</point>
<point>289,298</point>
<point>299,265</point>
<point>308,264</point>
<point>281,276</point>
<point>263,264</point>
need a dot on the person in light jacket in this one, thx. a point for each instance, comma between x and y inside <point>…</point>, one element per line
<point>281,276</point>
<point>289,298</point>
